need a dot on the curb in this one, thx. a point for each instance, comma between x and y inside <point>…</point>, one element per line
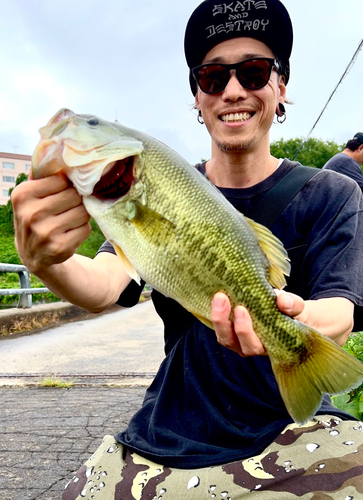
<point>24,321</point>
<point>18,322</point>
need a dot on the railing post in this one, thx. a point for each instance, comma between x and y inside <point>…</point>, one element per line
<point>25,299</point>
<point>25,291</point>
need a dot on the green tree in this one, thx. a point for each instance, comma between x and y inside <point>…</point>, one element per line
<point>6,219</point>
<point>313,153</point>
<point>6,211</point>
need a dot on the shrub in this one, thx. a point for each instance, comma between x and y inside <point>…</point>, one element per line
<point>352,402</point>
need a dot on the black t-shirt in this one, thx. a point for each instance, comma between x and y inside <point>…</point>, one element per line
<point>345,165</point>
<point>209,406</point>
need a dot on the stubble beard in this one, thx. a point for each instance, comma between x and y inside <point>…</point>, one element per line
<point>230,145</point>
<point>233,146</point>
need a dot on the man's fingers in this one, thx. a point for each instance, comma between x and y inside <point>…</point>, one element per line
<point>250,344</point>
<point>50,221</point>
<point>221,308</point>
<point>238,335</point>
<point>289,303</point>
<point>49,185</point>
<point>223,327</point>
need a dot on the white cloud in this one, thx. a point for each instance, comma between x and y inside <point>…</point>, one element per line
<point>125,59</point>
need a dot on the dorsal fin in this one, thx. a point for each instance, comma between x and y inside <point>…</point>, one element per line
<point>279,263</point>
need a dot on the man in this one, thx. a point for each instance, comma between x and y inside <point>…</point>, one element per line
<point>350,160</point>
<point>213,424</point>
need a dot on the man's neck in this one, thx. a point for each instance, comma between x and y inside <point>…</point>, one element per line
<point>240,170</point>
<point>351,154</point>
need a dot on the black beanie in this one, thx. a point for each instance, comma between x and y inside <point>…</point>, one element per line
<point>212,23</point>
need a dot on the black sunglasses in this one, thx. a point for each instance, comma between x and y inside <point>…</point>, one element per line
<point>252,74</point>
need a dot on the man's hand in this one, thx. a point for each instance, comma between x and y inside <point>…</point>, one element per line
<point>50,222</point>
<point>239,336</point>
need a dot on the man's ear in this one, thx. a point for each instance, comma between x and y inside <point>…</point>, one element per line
<point>196,105</point>
<point>282,88</point>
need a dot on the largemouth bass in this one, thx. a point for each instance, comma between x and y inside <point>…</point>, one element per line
<point>173,228</point>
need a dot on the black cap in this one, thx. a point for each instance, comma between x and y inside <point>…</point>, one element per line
<point>212,23</point>
<point>358,137</point>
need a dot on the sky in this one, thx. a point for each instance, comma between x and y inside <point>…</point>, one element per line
<point>124,60</point>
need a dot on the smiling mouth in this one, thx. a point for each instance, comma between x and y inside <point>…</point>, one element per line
<point>117,181</point>
<point>236,117</point>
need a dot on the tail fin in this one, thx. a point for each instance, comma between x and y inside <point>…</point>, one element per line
<point>325,368</point>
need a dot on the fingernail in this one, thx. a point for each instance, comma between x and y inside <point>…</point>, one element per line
<point>239,314</point>
<point>288,301</point>
<point>218,302</point>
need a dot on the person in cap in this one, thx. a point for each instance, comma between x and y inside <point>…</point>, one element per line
<point>213,424</point>
<point>350,160</point>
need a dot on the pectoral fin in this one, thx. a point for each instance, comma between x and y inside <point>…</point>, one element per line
<point>279,263</point>
<point>153,225</point>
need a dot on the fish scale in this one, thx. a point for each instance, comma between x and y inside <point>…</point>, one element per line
<point>178,232</point>
<point>208,226</point>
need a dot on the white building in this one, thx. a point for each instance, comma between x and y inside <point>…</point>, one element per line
<point>11,165</point>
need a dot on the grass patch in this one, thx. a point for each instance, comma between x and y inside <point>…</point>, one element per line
<point>27,324</point>
<point>54,382</point>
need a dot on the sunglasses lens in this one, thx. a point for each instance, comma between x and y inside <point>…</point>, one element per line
<point>254,74</point>
<point>212,78</point>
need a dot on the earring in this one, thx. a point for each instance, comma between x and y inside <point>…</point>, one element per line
<point>200,118</point>
<point>281,113</point>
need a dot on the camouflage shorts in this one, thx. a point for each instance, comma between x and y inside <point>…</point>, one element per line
<point>321,460</point>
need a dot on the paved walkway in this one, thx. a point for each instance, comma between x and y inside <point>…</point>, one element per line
<point>119,342</point>
<point>47,433</point>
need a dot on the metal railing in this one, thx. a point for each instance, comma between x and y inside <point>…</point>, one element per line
<point>25,291</point>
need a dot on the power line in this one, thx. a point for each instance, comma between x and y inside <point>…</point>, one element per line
<point>348,68</point>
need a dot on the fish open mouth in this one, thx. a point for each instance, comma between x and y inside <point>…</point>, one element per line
<point>117,181</point>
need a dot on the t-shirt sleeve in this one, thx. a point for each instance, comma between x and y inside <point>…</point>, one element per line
<point>106,247</point>
<point>345,165</point>
<point>334,260</point>
<point>131,295</point>
<point>322,231</point>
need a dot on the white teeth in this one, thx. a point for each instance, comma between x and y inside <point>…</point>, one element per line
<point>236,117</point>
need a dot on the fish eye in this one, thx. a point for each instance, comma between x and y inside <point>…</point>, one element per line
<point>93,122</point>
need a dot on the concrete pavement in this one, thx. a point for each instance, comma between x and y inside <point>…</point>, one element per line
<point>119,342</point>
<point>48,433</point>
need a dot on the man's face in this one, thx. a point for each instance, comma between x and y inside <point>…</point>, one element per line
<point>238,118</point>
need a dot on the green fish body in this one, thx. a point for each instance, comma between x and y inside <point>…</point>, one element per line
<point>174,229</point>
